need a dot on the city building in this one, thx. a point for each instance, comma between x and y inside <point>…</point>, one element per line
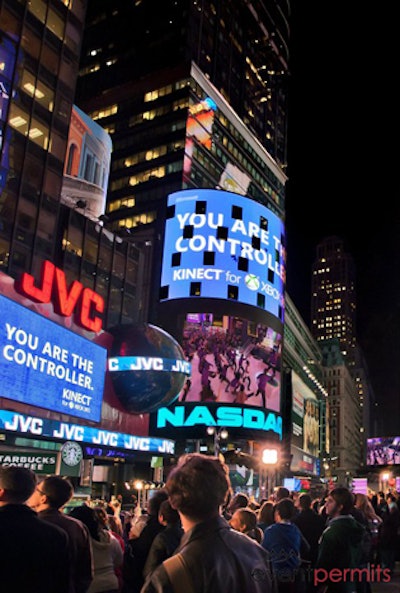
<point>333,296</point>
<point>334,316</point>
<point>65,280</point>
<point>307,432</point>
<point>193,95</point>
<point>344,415</point>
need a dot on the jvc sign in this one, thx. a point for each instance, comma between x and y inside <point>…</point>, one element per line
<point>84,302</point>
<point>181,416</point>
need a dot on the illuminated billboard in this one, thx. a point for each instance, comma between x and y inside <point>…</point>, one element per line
<point>305,441</point>
<point>383,451</point>
<point>48,366</point>
<point>233,360</point>
<point>220,245</point>
<point>194,419</point>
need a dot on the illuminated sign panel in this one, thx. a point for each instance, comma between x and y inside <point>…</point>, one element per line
<point>180,416</point>
<point>66,300</point>
<point>222,245</point>
<point>40,463</point>
<point>20,423</point>
<point>46,365</point>
<point>383,451</point>
<point>148,363</point>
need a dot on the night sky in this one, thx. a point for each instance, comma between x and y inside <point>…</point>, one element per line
<point>343,172</point>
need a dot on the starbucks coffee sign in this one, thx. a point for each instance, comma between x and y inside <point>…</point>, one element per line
<point>39,463</point>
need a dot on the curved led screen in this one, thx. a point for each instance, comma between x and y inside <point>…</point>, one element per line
<point>221,245</point>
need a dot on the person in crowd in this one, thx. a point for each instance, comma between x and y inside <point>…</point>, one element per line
<point>211,556</point>
<point>245,521</point>
<point>166,542</point>
<point>34,555</point>
<point>113,524</point>
<point>388,536</point>
<point>311,526</point>
<point>280,493</point>
<point>266,515</point>
<point>382,506</point>
<point>340,547</point>
<point>48,499</point>
<point>107,552</point>
<point>238,501</point>
<point>372,522</point>
<point>139,544</point>
<point>285,543</point>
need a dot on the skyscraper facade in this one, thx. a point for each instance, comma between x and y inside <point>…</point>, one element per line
<point>333,296</point>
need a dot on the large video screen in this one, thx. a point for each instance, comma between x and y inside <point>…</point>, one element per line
<point>222,245</point>
<point>46,365</point>
<point>234,361</point>
<point>305,443</point>
<point>383,451</point>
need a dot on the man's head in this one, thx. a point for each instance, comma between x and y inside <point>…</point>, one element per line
<point>153,505</point>
<point>305,501</point>
<point>16,485</point>
<point>339,501</point>
<point>52,492</point>
<point>167,515</point>
<point>198,486</point>
<point>281,492</point>
<point>284,510</point>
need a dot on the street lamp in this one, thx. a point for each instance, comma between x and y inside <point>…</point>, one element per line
<point>222,433</point>
<point>138,485</point>
<point>269,459</point>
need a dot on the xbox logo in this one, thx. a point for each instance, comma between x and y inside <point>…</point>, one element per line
<point>252,282</point>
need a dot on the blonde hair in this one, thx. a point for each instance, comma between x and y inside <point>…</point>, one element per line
<point>362,502</point>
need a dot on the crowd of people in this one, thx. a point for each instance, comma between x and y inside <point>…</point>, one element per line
<point>195,536</point>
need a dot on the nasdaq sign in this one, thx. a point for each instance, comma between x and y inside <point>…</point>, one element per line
<point>226,416</point>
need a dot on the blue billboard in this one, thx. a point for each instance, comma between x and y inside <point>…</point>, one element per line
<point>221,245</point>
<point>46,365</point>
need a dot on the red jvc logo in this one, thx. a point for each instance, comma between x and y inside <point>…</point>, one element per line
<point>84,302</point>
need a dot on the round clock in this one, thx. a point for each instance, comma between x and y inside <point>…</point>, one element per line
<point>71,453</point>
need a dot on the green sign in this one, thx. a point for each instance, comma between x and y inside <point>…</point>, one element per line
<point>40,463</point>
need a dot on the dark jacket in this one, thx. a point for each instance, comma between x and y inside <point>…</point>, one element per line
<point>311,526</point>
<point>81,559</point>
<point>135,555</point>
<point>340,548</point>
<point>218,559</point>
<point>388,535</point>
<point>34,555</point>
<point>163,546</point>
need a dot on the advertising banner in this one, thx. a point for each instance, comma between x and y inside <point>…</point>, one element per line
<point>48,366</point>
<point>40,463</point>
<point>222,245</point>
<point>53,429</point>
<point>305,441</point>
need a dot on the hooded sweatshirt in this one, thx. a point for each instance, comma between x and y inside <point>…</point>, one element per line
<point>340,543</point>
<point>340,548</point>
<point>107,556</point>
